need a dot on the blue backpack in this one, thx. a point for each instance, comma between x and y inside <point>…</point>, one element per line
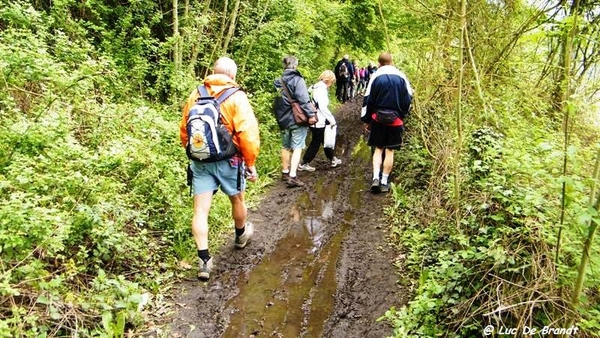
<point>208,138</point>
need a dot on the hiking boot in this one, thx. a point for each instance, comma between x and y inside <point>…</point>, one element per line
<point>375,187</point>
<point>384,188</point>
<point>204,269</point>
<point>335,162</point>
<point>294,182</point>
<point>306,167</point>
<point>285,176</point>
<point>241,241</point>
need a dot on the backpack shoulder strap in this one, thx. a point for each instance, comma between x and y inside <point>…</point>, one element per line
<point>286,89</point>
<point>311,91</point>
<point>226,94</point>
<point>202,91</point>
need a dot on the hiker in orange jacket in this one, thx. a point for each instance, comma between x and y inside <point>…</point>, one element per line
<point>228,174</point>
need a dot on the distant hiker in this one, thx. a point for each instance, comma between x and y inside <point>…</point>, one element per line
<point>293,135</point>
<point>206,177</point>
<point>371,69</point>
<point>353,80</point>
<point>326,120</point>
<point>386,103</point>
<point>343,73</point>
<point>362,80</point>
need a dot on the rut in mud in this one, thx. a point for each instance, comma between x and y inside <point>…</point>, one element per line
<point>318,264</point>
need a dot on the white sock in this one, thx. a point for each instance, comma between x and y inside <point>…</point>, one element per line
<point>286,171</point>
<point>376,174</point>
<point>384,178</point>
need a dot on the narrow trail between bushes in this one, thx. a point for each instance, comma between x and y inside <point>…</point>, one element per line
<point>318,265</point>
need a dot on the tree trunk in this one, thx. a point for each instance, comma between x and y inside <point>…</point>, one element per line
<point>195,49</point>
<point>562,90</point>
<point>463,27</point>
<point>186,12</point>
<point>387,37</point>
<point>564,93</point>
<point>217,44</point>
<point>176,51</point>
<point>256,31</point>
<point>232,23</point>
<point>587,246</point>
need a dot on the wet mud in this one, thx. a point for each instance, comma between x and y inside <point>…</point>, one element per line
<point>318,264</point>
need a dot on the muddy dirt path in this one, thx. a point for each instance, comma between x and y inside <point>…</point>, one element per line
<point>318,264</point>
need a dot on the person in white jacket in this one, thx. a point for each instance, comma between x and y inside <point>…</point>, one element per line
<point>326,120</point>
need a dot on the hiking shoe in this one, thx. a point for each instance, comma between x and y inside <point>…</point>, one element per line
<point>335,162</point>
<point>375,187</point>
<point>384,188</point>
<point>241,241</point>
<point>285,176</point>
<point>306,167</point>
<point>204,269</point>
<point>294,182</point>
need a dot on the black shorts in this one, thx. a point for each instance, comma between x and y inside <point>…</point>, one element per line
<point>382,136</point>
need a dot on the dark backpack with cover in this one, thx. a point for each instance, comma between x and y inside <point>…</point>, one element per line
<point>343,71</point>
<point>208,138</point>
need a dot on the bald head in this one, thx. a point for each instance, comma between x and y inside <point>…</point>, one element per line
<point>225,65</point>
<point>385,59</point>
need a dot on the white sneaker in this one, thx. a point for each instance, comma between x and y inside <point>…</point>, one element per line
<point>335,162</point>
<point>241,241</point>
<point>306,167</point>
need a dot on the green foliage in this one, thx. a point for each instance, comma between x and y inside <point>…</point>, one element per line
<point>501,257</point>
<point>504,244</point>
<point>94,211</point>
<point>502,253</point>
<point>87,184</point>
<point>484,148</point>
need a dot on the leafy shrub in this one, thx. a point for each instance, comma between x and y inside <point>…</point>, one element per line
<point>501,255</point>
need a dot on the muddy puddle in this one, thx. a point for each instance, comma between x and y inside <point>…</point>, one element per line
<point>291,292</point>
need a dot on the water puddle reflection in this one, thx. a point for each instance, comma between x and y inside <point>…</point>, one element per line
<point>290,293</point>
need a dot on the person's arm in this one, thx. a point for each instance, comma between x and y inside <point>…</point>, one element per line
<point>322,99</point>
<point>184,116</point>
<point>405,97</point>
<point>245,126</point>
<point>301,94</point>
<point>368,101</point>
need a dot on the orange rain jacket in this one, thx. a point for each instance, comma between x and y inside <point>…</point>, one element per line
<point>237,116</point>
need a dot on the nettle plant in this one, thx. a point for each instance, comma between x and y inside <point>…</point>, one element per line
<point>484,150</point>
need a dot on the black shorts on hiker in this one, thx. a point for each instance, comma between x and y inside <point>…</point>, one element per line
<point>382,136</point>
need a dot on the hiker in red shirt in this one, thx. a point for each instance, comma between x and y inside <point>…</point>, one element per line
<point>385,105</point>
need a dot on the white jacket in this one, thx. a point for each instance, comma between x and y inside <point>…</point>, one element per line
<point>321,97</point>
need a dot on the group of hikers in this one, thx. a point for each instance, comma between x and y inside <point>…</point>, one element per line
<point>294,133</point>
<point>350,79</point>
<point>220,134</point>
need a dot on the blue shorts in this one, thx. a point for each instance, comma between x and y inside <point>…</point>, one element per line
<point>225,174</point>
<point>294,137</point>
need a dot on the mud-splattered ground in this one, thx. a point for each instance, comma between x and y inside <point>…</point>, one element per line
<point>318,264</point>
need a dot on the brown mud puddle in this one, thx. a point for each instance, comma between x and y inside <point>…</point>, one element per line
<point>318,265</point>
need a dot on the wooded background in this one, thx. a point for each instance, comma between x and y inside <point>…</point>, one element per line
<point>496,211</point>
